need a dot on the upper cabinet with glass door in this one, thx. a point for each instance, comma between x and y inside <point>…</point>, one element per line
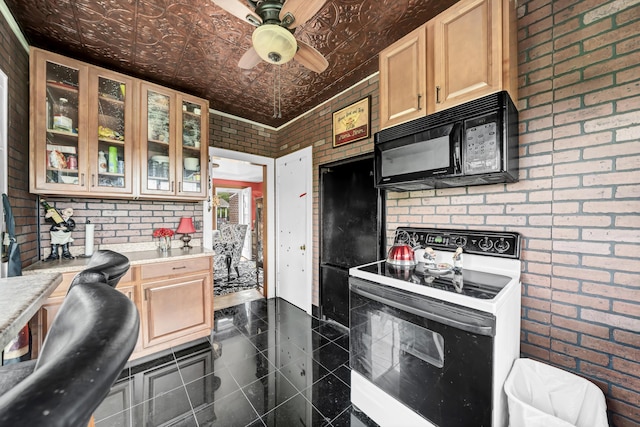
<point>97,133</point>
<point>157,140</point>
<point>81,128</point>
<point>58,137</point>
<point>192,165</point>
<point>111,139</point>
<point>172,148</point>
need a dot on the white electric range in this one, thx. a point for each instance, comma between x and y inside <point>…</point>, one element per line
<point>433,347</point>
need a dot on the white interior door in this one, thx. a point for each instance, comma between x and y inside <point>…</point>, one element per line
<point>245,218</point>
<point>3,161</point>
<point>293,222</point>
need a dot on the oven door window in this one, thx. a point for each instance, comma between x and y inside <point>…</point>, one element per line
<point>439,371</point>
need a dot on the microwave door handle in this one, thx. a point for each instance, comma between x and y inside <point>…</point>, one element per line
<point>456,134</point>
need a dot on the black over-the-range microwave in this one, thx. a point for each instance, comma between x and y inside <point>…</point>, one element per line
<point>469,144</point>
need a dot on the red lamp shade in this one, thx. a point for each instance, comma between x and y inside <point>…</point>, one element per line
<point>186,226</point>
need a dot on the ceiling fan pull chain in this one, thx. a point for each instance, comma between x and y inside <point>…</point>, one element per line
<point>275,111</point>
<point>279,91</point>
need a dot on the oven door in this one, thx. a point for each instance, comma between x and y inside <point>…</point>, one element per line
<point>432,356</point>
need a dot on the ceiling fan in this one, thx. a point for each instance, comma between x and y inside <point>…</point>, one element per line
<point>273,40</point>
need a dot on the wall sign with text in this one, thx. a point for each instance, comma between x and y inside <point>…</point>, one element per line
<point>352,123</point>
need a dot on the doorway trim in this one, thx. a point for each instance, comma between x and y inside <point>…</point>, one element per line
<point>269,183</point>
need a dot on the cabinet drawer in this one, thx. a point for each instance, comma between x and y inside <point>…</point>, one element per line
<point>67,278</point>
<point>172,268</point>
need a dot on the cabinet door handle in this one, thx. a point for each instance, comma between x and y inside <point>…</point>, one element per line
<point>419,98</point>
<point>82,179</point>
<point>180,186</point>
<point>93,180</point>
<point>172,185</point>
<point>437,94</point>
<point>179,268</point>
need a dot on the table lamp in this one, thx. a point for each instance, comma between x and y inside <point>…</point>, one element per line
<point>185,227</point>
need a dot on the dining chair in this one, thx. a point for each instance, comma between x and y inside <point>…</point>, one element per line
<point>86,348</point>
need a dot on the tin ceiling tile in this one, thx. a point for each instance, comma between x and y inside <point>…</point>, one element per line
<point>194,46</point>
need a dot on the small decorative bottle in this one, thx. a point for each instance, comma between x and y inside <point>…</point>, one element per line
<point>102,162</point>
<point>55,215</point>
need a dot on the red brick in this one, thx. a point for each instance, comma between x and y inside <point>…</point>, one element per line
<point>627,337</point>
<point>581,300</point>
<point>528,350</point>
<point>565,285</point>
<point>564,310</point>
<point>581,34</point>
<point>580,353</point>
<point>564,335</point>
<point>563,361</point>
<point>582,327</point>
<point>607,375</point>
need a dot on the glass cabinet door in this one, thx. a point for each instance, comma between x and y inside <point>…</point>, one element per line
<point>110,155</point>
<point>65,157</point>
<point>190,167</point>
<point>157,153</point>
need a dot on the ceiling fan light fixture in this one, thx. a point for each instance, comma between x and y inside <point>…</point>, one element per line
<point>274,43</point>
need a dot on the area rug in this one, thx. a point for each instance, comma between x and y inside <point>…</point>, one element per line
<point>247,279</point>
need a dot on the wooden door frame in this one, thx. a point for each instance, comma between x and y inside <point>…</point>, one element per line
<point>268,219</point>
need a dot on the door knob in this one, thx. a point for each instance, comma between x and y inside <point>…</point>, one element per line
<point>303,247</point>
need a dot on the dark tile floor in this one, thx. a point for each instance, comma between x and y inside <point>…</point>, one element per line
<point>267,363</point>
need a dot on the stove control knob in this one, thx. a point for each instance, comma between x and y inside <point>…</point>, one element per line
<point>502,245</point>
<point>459,241</point>
<point>485,244</point>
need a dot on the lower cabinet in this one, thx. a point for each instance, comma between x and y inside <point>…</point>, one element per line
<point>175,308</point>
<point>132,397</point>
<point>174,300</point>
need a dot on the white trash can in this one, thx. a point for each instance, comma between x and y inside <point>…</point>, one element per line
<point>540,395</point>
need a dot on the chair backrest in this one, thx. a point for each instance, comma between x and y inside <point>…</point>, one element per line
<point>85,350</point>
<point>229,241</point>
<point>104,266</point>
<point>237,233</point>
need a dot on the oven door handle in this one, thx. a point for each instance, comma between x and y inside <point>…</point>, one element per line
<point>454,316</point>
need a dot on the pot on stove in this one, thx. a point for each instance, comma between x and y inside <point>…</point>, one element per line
<point>401,255</point>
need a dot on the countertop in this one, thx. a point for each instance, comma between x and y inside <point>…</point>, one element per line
<point>20,299</point>
<point>135,258</point>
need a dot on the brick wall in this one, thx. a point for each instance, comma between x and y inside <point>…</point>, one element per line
<point>238,135</point>
<point>119,221</point>
<point>576,203</point>
<point>14,62</point>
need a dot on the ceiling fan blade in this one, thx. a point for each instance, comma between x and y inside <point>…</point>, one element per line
<point>249,60</point>
<point>238,9</point>
<point>310,57</point>
<point>302,10</point>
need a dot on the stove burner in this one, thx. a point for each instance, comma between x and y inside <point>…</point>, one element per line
<point>475,284</point>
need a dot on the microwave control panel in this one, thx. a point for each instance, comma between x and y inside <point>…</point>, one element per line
<point>481,146</point>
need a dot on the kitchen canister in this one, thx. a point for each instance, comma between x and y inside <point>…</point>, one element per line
<point>113,159</point>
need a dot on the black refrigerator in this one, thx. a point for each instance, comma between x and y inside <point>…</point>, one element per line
<point>351,229</point>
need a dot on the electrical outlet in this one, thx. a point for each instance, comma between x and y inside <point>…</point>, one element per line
<point>197,224</point>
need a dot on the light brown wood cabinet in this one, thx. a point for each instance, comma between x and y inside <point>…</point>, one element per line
<point>470,51</point>
<point>88,129</point>
<point>403,79</point>
<point>174,300</point>
<point>173,153</point>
